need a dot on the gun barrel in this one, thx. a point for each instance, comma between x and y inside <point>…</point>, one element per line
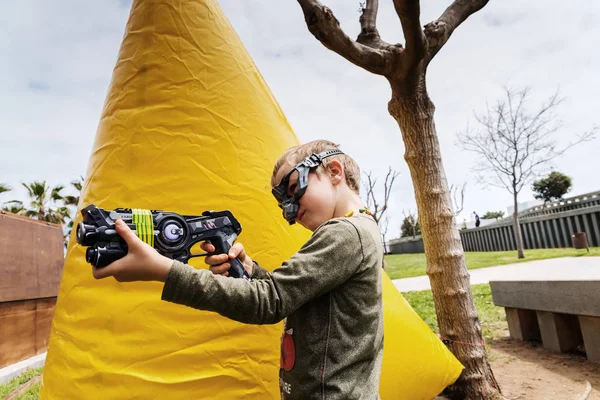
<point>87,235</point>
<point>102,256</point>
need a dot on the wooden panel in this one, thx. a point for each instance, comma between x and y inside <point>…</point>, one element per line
<point>43,322</point>
<point>31,258</point>
<point>17,331</point>
<point>24,329</point>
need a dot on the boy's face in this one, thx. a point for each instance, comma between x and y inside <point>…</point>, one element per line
<point>317,205</point>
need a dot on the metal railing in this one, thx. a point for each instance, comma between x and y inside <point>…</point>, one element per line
<point>544,228</point>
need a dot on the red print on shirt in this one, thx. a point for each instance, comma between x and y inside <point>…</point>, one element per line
<point>288,351</point>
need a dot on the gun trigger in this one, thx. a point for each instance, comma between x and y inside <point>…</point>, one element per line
<point>199,255</point>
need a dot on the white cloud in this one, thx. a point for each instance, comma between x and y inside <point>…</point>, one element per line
<point>58,59</point>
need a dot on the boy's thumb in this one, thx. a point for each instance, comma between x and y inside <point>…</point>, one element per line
<point>237,250</point>
<point>124,231</point>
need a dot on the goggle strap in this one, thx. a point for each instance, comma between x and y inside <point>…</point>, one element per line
<point>315,159</point>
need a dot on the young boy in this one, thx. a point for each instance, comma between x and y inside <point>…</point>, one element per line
<point>329,292</point>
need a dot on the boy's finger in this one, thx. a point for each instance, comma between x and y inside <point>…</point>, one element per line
<point>207,247</point>
<point>237,250</point>
<point>217,259</point>
<point>125,232</point>
<point>104,272</point>
<point>110,270</point>
<point>219,269</point>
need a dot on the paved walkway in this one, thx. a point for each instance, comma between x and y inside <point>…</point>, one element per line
<point>565,268</point>
<point>12,371</point>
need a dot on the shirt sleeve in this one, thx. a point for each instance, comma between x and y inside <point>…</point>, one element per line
<point>259,272</point>
<point>330,257</point>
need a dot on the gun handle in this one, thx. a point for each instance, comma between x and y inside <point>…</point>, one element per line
<point>222,246</point>
<point>237,270</point>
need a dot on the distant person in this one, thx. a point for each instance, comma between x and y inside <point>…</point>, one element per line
<point>477,221</point>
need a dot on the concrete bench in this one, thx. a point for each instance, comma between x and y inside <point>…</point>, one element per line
<point>562,314</point>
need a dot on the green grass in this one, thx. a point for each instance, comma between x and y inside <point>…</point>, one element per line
<point>492,318</point>
<point>409,265</point>
<point>32,393</point>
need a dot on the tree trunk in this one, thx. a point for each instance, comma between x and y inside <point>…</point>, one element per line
<point>517,227</point>
<point>457,317</point>
<point>385,251</point>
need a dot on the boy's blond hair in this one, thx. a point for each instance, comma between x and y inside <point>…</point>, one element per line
<point>296,154</point>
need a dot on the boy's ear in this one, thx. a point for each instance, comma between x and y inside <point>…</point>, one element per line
<point>336,172</point>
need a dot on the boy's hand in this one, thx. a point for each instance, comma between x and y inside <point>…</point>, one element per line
<point>142,262</point>
<point>218,263</point>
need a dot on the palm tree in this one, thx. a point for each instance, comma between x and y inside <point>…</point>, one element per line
<point>13,206</point>
<point>4,188</point>
<point>72,201</point>
<point>44,203</point>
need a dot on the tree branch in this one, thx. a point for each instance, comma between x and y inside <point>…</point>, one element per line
<point>326,28</point>
<point>369,35</point>
<point>409,12</point>
<point>438,32</point>
<point>371,200</point>
<point>454,190</point>
<point>378,210</point>
<point>387,187</point>
<point>384,226</point>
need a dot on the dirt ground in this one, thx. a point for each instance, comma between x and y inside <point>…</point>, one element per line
<point>528,371</point>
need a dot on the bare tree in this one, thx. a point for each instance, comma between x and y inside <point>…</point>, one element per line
<point>378,209</point>
<point>410,224</point>
<point>405,69</point>
<point>383,226</point>
<point>515,145</point>
<point>458,193</point>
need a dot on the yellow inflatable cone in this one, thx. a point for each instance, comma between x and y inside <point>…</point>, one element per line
<point>190,125</point>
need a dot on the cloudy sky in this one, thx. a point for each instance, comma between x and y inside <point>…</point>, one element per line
<point>57,61</point>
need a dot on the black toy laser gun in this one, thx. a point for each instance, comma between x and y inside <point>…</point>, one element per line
<point>171,234</point>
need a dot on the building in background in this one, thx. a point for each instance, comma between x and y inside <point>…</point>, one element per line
<point>523,206</point>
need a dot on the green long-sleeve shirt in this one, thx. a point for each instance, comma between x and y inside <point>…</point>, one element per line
<point>330,294</point>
